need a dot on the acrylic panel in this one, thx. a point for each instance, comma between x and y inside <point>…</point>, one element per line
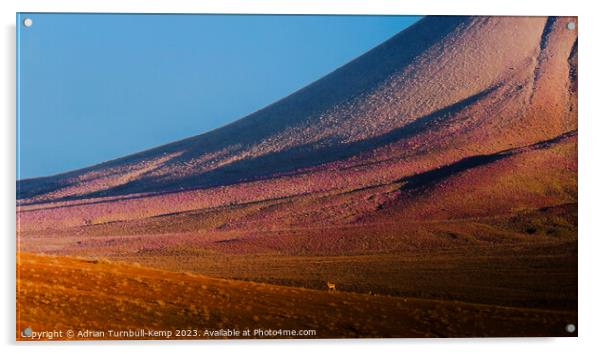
<point>295,177</point>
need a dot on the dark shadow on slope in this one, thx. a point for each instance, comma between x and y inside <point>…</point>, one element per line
<point>573,69</point>
<point>428,178</point>
<point>29,188</point>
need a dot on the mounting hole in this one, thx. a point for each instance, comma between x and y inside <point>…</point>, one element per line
<point>571,26</point>
<point>27,332</point>
<point>27,22</point>
<point>570,328</point>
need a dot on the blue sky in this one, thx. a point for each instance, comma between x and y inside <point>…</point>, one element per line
<point>95,87</point>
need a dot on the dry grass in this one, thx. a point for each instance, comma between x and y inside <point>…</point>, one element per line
<point>76,294</point>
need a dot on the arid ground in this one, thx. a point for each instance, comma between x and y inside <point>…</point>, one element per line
<point>433,180</point>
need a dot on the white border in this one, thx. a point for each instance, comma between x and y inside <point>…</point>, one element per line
<point>430,7</point>
<point>590,150</point>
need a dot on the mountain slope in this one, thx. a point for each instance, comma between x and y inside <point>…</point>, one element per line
<point>445,89</point>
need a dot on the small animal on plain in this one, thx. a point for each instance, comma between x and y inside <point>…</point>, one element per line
<point>331,286</point>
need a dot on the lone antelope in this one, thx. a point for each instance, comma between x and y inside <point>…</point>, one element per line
<point>331,286</point>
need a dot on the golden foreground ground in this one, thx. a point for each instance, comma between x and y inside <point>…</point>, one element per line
<point>93,297</point>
